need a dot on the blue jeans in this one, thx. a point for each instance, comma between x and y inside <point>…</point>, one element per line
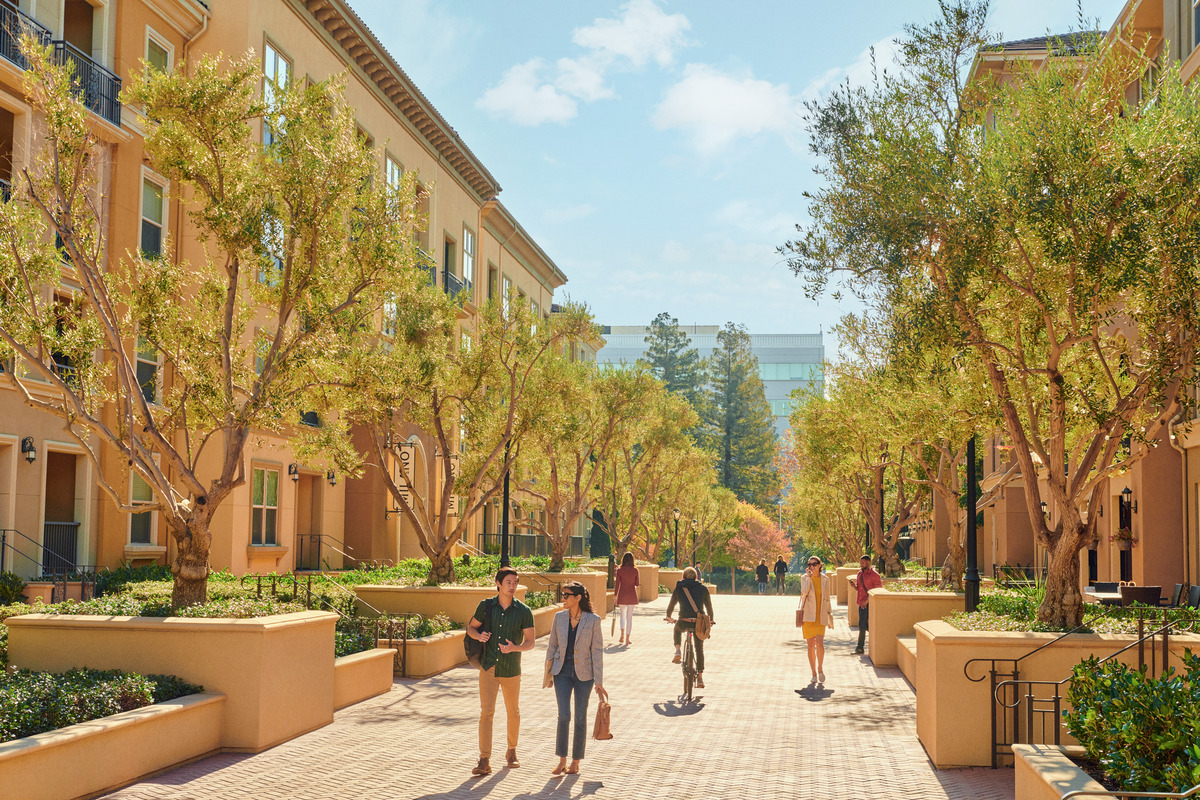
<point>564,683</point>
<point>762,587</point>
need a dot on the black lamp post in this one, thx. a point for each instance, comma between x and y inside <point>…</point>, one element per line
<point>971,580</point>
<point>675,544</point>
<point>693,542</point>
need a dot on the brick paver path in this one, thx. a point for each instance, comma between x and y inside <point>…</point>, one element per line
<point>757,731</point>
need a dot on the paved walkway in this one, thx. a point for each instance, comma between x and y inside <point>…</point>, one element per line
<point>757,731</point>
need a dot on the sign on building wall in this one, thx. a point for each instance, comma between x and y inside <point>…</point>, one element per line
<point>403,474</point>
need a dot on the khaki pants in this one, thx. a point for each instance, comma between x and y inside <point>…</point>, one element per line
<point>488,684</point>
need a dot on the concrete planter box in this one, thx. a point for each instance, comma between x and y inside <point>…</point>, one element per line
<point>670,577</point>
<point>275,672</point>
<point>95,757</point>
<point>456,602</point>
<point>543,618</point>
<point>841,584</point>
<point>950,707</point>
<point>894,614</point>
<point>1046,772</point>
<point>361,675</point>
<point>431,655</point>
<point>647,582</point>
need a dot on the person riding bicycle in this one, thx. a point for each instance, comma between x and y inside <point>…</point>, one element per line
<point>687,616</point>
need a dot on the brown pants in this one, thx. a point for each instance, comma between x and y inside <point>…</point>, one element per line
<point>488,685</point>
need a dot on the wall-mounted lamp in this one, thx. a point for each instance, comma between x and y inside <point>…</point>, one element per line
<point>331,476</point>
<point>29,449</point>
<point>1127,495</point>
<point>1045,510</point>
<point>294,472</point>
<point>1102,511</point>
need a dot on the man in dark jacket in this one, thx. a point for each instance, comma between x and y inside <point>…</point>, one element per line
<point>763,574</point>
<point>688,611</point>
<point>780,574</point>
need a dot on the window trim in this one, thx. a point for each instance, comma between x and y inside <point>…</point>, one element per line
<point>164,185</point>
<point>388,162</point>
<point>265,468</point>
<point>158,369</point>
<point>162,41</point>
<point>468,257</point>
<point>153,512</point>
<point>269,46</point>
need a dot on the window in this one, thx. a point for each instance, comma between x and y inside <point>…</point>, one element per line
<point>271,270</point>
<point>152,218</point>
<point>1195,24</point>
<point>278,72</point>
<point>448,257</point>
<point>148,365</point>
<point>534,308</point>
<point>158,52</point>
<point>507,287</point>
<point>394,172</point>
<point>265,504</point>
<point>310,418</point>
<point>468,258</point>
<point>141,523</point>
<point>391,311</point>
<point>492,281</point>
<point>262,347</point>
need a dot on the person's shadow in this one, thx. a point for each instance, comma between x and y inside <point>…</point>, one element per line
<point>678,709</point>
<point>569,787</point>
<point>815,692</point>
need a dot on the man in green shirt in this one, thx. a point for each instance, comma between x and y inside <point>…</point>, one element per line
<point>505,625</point>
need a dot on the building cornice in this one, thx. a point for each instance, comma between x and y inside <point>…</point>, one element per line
<point>365,51</point>
<point>517,240</point>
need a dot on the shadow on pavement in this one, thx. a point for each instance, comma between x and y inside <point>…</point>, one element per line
<point>567,788</point>
<point>677,709</point>
<point>815,692</point>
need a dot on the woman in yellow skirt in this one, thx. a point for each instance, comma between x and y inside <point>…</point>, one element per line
<point>816,615</point>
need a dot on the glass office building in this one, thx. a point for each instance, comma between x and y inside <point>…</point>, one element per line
<point>786,361</point>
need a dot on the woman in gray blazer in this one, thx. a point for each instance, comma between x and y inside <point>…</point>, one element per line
<point>576,659</point>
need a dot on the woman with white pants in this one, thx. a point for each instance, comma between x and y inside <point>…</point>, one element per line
<point>626,584</point>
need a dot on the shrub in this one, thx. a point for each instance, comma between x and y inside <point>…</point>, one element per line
<point>35,702</point>
<point>12,588</point>
<point>536,600</point>
<point>112,580</point>
<point>1144,732</point>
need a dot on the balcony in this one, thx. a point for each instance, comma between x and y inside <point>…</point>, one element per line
<point>5,190</point>
<point>96,87</point>
<point>12,24</point>
<point>425,263</point>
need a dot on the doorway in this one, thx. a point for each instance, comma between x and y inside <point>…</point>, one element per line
<point>60,530</point>
<point>308,522</point>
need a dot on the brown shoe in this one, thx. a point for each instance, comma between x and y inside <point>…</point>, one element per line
<point>699,681</point>
<point>511,758</point>
<point>482,768</point>
<point>676,659</point>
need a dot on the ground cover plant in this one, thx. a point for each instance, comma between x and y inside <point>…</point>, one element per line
<point>35,702</point>
<point>1144,732</point>
<point>1014,610</point>
<point>479,571</point>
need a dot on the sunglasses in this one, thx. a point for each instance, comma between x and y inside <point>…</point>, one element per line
<point>569,594</point>
<point>814,563</point>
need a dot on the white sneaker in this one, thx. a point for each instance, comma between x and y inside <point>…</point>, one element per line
<point>820,677</point>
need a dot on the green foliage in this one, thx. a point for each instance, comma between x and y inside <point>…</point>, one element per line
<point>35,702</point>
<point>109,581</point>
<point>481,571</point>
<point>536,600</point>
<point>12,588</point>
<point>671,358</point>
<point>1144,732</point>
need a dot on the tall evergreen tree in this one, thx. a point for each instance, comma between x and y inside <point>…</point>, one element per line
<point>671,358</point>
<point>739,420</point>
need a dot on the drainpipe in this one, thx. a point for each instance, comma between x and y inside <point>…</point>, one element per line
<point>1187,522</point>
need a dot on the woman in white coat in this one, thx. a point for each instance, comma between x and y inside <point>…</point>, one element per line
<point>817,615</point>
<point>576,656</point>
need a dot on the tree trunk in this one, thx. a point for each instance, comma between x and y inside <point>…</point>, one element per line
<point>1063,604</point>
<point>733,579</point>
<point>955,563</point>
<point>891,563</point>
<point>557,556</point>
<point>441,568</point>
<point>190,566</point>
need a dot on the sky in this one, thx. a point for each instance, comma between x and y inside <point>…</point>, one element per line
<point>656,149</point>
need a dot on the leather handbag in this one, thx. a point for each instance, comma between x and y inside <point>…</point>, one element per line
<point>474,647</point>
<point>703,621</point>
<point>799,617</point>
<point>603,718</point>
<point>548,675</point>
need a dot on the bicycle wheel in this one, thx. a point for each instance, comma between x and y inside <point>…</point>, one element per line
<point>689,668</point>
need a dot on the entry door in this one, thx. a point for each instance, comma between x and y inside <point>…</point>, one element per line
<point>308,522</point>
<point>60,534</point>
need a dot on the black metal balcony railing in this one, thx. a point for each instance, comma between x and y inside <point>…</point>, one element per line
<point>425,262</point>
<point>451,283</point>
<point>5,190</point>
<point>12,24</point>
<point>529,544</point>
<point>96,87</point>
<point>59,543</point>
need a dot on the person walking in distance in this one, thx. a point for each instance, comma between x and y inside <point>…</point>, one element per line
<point>866,580</point>
<point>510,633</point>
<point>816,616</point>
<point>780,575</point>
<point>626,583</point>
<point>688,611</point>
<point>576,658</point>
<point>763,575</point>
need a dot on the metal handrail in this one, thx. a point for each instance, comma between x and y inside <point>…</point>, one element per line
<point>97,87</point>
<point>320,539</point>
<point>13,23</point>
<point>43,551</point>
<point>1031,699</point>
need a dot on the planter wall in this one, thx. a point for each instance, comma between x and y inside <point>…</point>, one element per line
<point>841,584</point>
<point>431,655</point>
<point>669,577</point>
<point>647,582</point>
<point>1045,772</point>
<point>543,618</point>
<point>44,591</point>
<point>895,613</point>
<point>456,602</point>
<point>276,672</point>
<point>361,675</point>
<point>98,756</point>
<point>950,707</point>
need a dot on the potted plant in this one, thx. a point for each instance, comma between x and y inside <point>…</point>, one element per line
<point>1123,536</point>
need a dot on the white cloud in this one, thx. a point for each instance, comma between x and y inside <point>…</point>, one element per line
<point>749,218</point>
<point>860,73</point>
<point>714,108</point>
<point>674,252</point>
<point>570,214</point>
<point>642,33</point>
<point>639,34</point>
<point>524,99</point>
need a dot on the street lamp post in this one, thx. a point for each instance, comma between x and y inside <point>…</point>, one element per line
<point>693,542</point>
<point>675,543</point>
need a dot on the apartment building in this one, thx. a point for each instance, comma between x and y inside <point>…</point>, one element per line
<point>288,514</point>
<point>1159,498</point>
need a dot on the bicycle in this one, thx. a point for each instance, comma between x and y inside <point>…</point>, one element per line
<point>690,672</point>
